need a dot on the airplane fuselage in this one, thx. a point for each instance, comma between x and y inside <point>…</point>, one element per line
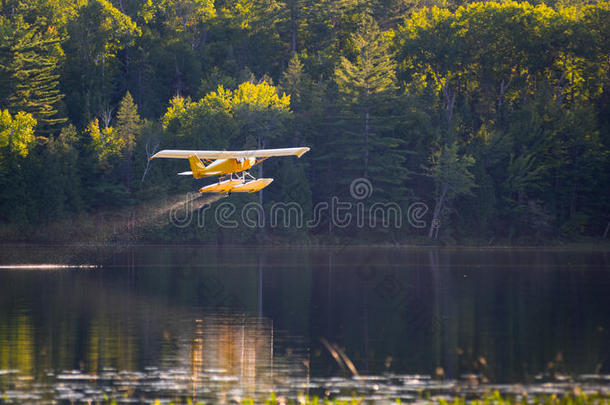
<point>220,166</point>
<point>230,165</point>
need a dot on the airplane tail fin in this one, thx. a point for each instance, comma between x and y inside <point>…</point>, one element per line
<point>197,167</point>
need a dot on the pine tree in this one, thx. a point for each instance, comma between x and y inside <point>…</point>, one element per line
<point>367,83</point>
<point>304,101</point>
<point>34,77</point>
<point>128,128</point>
<point>60,184</point>
<point>128,123</point>
<point>328,26</point>
<point>294,82</point>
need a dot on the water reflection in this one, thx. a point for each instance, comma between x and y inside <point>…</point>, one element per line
<point>236,349</point>
<point>222,324</point>
<point>215,356</point>
<point>17,348</point>
<point>105,334</point>
<point>505,315</point>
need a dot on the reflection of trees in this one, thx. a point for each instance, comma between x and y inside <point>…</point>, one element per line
<point>502,314</point>
<point>17,343</point>
<point>422,309</point>
<point>110,344</point>
<point>92,323</point>
<point>232,345</point>
<point>508,315</point>
<point>379,305</point>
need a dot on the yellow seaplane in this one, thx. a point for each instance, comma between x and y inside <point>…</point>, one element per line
<point>231,167</point>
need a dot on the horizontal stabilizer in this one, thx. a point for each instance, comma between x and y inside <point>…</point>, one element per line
<point>227,154</point>
<point>189,173</point>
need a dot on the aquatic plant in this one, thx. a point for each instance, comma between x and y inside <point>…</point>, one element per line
<point>495,398</point>
<point>577,397</point>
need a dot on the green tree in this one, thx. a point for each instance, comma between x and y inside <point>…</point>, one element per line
<point>128,128</point>
<point>128,123</point>
<point>367,81</point>
<point>182,17</point>
<point>107,145</point>
<point>328,26</point>
<point>261,111</point>
<point>206,124</point>
<point>31,59</point>
<point>366,143</point>
<point>452,178</point>
<point>17,132</point>
<point>17,140</point>
<point>59,180</point>
<point>91,71</point>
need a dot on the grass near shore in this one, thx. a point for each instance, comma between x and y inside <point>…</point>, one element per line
<point>576,398</point>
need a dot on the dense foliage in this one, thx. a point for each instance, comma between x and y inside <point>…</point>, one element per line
<point>495,115</point>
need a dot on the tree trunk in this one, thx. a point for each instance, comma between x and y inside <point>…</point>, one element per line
<point>573,195</point>
<point>199,40</point>
<point>366,142</point>
<point>503,88</point>
<point>293,26</point>
<point>178,77</point>
<point>436,217</point>
<point>103,90</point>
<point>450,104</point>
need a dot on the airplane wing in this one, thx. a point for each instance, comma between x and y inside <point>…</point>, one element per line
<point>227,154</point>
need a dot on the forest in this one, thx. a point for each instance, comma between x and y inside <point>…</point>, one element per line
<point>496,115</point>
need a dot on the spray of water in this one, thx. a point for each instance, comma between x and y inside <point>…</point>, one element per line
<point>47,266</point>
<point>210,199</point>
<point>189,203</point>
<point>128,224</point>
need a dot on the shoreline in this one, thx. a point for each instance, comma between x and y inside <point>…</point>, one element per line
<point>576,246</point>
<point>149,224</point>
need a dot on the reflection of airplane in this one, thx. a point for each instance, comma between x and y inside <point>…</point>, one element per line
<point>223,163</point>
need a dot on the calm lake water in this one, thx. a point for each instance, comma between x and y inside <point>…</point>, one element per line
<point>222,324</point>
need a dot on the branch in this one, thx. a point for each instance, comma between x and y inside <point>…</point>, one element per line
<point>148,156</point>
